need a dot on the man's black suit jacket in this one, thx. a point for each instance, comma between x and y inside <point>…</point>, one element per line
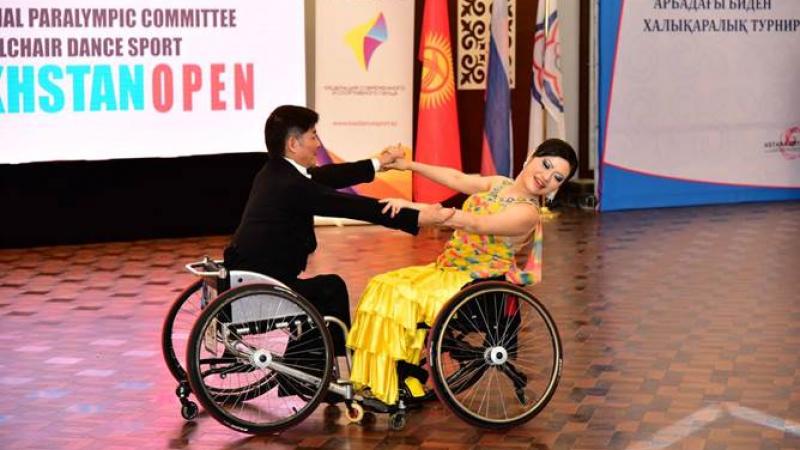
<point>276,233</point>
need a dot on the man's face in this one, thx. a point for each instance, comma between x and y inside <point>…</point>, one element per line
<point>302,148</point>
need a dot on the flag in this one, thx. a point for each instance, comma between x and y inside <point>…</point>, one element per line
<point>438,141</point>
<point>547,98</point>
<point>496,152</point>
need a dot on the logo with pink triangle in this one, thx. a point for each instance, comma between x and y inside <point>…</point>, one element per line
<point>364,39</point>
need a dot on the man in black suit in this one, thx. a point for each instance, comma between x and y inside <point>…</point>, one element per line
<point>276,233</point>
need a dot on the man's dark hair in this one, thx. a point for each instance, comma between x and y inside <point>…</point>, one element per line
<point>286,121</point>
<point>557,147</point>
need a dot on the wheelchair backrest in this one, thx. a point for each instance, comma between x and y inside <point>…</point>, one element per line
<point>217,279</point>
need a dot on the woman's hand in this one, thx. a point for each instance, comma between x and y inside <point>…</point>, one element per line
<point>433,214</point>
<point>398,164</point>
<point>394,205</point>
<point>393,158</point>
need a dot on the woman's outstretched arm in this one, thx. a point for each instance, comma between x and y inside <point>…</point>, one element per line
<point>447,176</point>
<point>516,220</point>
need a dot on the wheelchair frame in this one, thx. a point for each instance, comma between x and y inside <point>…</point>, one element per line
<point>222,289</point>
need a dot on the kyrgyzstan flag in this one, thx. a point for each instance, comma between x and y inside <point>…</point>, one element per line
<point>438,140</point>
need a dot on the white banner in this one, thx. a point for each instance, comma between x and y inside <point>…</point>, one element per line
<point>708,91</point>
<point>148,78</point>
<point>364,81</point>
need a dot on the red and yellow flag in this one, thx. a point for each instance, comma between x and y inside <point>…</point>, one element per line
<point>438,141</point>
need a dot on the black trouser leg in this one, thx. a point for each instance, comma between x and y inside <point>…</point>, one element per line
<point>328,294</point>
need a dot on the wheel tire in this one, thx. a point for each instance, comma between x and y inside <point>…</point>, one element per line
<point>176,364</point>
<point>224,411</point>
<point>460,313</point>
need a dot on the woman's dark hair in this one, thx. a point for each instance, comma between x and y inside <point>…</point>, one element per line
<point>285,121</point>
<point>557,147</point>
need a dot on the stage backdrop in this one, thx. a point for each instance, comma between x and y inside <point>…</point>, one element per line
<point>363,84</point>
<point>699,102</point>
<point>122,79</point>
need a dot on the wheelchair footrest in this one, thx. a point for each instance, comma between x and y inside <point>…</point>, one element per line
<point>414,387</point>
<point>375,405</point>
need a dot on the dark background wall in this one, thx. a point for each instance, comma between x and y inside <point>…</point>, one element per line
<point>83,201</point>
<point>94,201</point>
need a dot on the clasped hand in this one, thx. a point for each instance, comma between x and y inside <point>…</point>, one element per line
<point>429,214</point>
<point>392,157</point>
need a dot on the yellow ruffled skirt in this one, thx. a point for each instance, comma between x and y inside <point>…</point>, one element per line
<point>385,327</point>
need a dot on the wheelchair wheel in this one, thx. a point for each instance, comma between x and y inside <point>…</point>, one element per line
<point>175,332</point>
<point>267,344</point>
<point>177,325</point>
<point>495,355</point>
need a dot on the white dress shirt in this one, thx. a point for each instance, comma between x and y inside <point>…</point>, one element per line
<point>303,171</point>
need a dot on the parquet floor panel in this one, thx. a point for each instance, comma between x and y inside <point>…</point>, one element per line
<point>681,330</point>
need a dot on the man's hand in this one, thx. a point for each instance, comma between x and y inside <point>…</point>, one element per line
<point>392,158</point>
<point>434,215</point>
<point>394,205</point>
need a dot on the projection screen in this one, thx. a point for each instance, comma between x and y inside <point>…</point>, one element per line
<point>130,79</point>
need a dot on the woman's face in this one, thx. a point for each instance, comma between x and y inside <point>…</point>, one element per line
<point>544,174</point>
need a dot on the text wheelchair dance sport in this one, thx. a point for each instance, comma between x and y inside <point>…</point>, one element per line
<point>259,357</point>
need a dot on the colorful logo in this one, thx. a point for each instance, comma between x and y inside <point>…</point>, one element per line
<point>365,39</point>
<point>547,66</point>
<point>437,85</point>
<point>790,145</point>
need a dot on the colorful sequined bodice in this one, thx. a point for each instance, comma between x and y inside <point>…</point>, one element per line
<point>486,256</point>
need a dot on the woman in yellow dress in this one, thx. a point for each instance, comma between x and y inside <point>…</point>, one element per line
<point>499,220</point>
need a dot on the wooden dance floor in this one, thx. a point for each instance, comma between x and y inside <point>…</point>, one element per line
<point>681,330</point>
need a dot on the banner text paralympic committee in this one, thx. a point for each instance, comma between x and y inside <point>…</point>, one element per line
<point>54,88</point>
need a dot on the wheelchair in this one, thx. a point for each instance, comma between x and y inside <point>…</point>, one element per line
<point>259,357</point>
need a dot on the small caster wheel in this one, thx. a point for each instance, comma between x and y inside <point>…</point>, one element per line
<point>332,412</point>
<point>355,412</point>
<point>397,421</point>
<point>189,410</point>
<point>369,418</point>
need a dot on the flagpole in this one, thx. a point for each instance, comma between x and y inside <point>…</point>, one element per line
<point>545,211</point>
<point>546,18</point>
<point>546,35</point>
